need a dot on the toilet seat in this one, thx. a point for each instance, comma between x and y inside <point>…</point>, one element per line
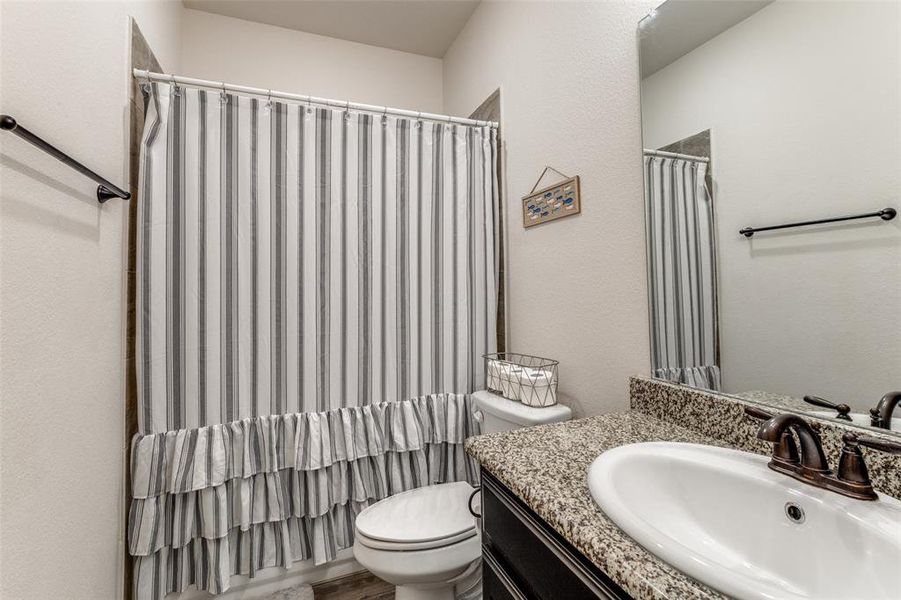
<point>410,546</point>
<point>434,516</point>
<point>429,569</point>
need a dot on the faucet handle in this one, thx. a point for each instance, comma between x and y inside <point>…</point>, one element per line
<point>758,413</point>
<point>785,450</point>
<point>843,410</point>
<point>878,444</point>
<point>852,471</point>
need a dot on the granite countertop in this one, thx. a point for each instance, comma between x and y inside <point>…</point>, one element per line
<point>778,400</point>
<point>547,468</point>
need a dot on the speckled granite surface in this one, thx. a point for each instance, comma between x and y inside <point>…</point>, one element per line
<point>546,467</point>
<point>723,418</point>
<point>775,400</point>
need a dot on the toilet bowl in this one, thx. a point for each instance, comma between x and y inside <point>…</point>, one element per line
<point>424,541</point>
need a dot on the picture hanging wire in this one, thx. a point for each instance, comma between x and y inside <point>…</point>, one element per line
<point>543,173</point>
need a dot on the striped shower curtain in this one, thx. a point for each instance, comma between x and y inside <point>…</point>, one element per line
<point>681,272</point>
<point>315,290</point>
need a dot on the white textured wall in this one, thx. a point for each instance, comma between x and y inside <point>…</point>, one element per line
<point>577,287</point>
<point>568,74</point>
<point>803,102</point>
<point>237,51</point>
<point>63,74</point>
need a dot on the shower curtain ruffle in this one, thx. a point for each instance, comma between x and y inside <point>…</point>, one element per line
<point>209,564</point>
<point>192,459</point>
<point>707,378</point>
<point>267,491</point>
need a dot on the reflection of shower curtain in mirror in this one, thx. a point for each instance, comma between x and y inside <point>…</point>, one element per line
<point>316,288</point>
<point>681,272</point>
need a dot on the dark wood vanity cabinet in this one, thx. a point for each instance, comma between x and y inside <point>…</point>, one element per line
<point>525,559</point>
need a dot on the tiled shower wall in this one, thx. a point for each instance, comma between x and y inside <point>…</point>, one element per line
<point>142,57</point>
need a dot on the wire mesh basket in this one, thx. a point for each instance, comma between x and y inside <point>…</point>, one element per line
<point>531,380</point>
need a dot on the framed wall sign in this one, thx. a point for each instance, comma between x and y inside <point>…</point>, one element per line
<point>551,203</point>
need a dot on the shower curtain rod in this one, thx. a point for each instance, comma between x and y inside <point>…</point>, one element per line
<point>385,110</point>
<point>676,155</point>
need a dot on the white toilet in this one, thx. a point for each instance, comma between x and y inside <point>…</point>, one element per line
<point>425,541</point>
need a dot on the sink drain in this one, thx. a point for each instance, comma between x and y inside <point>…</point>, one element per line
<point>794,512</point>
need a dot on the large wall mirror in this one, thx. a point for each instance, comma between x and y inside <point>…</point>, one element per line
<point>759,114</point>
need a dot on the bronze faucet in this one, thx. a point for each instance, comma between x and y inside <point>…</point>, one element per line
<point>810,464</point>
<point>881,416</point>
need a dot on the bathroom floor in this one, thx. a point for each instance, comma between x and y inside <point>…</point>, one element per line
<point>357,586</point>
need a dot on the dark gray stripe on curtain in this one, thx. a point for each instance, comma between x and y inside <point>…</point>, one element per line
<point>254,258</point>
<point>229,263</point>
<point>383,268</point>
<point>342,249</point>
<point>175,267</point>
<point>663,259</point>
<point>301,275</point>
<point>201,260</point>
<point>278,254</point>
<point>403,256</point>
<point>323,247</point>
<point>364,256</point>
<point>437,258</point>
<point>420,288</point>
<point>690,233</point>
<point>455,275</point>
<point>675,263</point>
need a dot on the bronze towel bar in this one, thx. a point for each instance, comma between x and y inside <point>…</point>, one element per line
<point>105,190</point>
<point>886,214</point>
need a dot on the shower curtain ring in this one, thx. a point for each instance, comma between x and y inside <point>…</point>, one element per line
<point>223,96</point>
<point>174,85</point>
<point>145,82</point>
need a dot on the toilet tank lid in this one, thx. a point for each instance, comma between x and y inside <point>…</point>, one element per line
<point>517,412</point>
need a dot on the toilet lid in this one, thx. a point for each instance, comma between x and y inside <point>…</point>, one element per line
<point>429,516</point>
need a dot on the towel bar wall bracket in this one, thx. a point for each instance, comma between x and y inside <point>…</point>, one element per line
<point>886,214</point>
<point>105,189</point>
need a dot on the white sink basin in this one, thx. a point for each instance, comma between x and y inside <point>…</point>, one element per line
<point>856,418</point>
<point>720,516</point>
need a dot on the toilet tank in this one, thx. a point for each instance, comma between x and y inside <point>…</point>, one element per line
<point>496,413</point>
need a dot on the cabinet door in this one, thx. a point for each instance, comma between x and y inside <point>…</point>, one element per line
<point>543,565</point>
<point>496,583</point>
